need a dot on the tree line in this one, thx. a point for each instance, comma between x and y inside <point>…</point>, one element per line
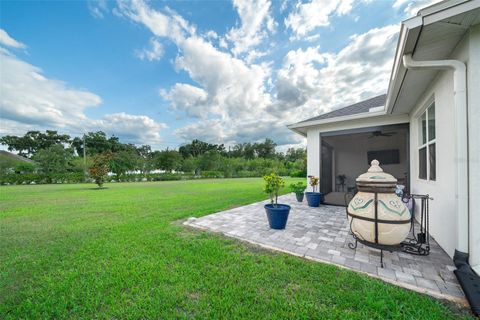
<point>56,154</point>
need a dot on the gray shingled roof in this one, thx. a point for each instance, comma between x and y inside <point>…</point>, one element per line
<point>15,157</point>
<point>360,107</point>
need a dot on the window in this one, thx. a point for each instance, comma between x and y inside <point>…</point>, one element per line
<point>426,148</point>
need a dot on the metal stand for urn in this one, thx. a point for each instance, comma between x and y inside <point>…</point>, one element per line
<point>418,243</point>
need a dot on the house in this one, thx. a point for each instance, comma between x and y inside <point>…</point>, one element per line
<point>425,130</point>
<point>8,161</point>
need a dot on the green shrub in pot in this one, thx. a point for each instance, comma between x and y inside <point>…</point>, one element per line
<point>298,188</point>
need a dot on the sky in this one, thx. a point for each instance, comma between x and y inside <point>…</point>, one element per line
<point>163,73</point>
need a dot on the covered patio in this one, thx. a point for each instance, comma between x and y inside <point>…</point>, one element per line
<point>345,154</point>
<point>322,234</point>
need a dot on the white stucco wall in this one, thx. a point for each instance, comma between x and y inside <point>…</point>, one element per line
<point>443,215</point>
<point>473,81</point>
<point>313,153</point>
<point>443,219</point>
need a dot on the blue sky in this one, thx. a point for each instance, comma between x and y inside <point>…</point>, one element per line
<point>163,73</point>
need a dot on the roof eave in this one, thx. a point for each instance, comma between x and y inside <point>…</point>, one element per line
<point>298,130</point>
<point>409,34</point>
<point>307,124</point>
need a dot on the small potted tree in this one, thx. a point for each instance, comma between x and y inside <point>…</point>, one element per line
<point>313,198</point>
<point>298,188</point>
<point>277,214</point>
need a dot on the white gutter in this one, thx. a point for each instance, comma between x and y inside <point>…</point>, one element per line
<point>461,128</point>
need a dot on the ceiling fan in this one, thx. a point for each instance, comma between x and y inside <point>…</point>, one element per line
<point>381,134</point>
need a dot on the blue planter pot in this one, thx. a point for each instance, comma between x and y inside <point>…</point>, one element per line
<point>314,198</point>
<point>277,216</point>
<point>299,196</point>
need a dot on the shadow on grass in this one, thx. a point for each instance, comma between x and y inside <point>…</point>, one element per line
<point>93,188</point>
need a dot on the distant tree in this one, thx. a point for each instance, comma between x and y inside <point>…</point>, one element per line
<point>210,161</point>
<point>190,165</point>
<point>197,148</point>
<point>33,141</point>
<point>265,149</point>
<point>100,167</point>
<point>236,151</point>
<point>145,162</point>
<point>51,138</point>
<point>54,159</point>
<point>243,150</point>
<point>115,145</point>
<point>294,154</point>
<point>98,142</point>
<point>249,151</point>
<point>123,161</point>
<point>144,151</point>
<point>79,164</point>
<point>95,142</point>
<point>242,160</point>
<point>168,160</point>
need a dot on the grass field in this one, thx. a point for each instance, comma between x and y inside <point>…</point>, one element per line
<point>71,251</point>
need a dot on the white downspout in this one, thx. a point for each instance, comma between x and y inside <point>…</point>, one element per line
<point>461,128</point>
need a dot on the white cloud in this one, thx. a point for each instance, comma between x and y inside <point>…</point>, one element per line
<point>311,82</point>
<point>234,100</point>
<point>211,34</point>
<point>254,15</point>
<point>8,41</point>
<point>187,98</point>
<point>97,8</point>
<point>228,90</point>
<point>299,78</point>
<point>233,87</point>
<point>153,53</point>
<point>223,43</point>
<point>284,5</point>
<point>137,129</point>
<point>168,24</point>
<point>10,127</point>
<point>31,101</point>
<point>29,97</point>
<point>411,8</point>
<point>253,55</point>
<point>256,22</point>
<point>316,13</point>
<point>399,3</point>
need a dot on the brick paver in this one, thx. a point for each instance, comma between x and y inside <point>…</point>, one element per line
<point>322,234</point>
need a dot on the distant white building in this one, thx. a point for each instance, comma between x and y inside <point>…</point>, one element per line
<point>426,128</point>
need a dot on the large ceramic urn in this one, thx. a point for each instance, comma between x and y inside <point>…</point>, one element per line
<point>376,214</point>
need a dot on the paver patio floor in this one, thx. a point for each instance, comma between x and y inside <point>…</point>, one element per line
<point>322,234</point>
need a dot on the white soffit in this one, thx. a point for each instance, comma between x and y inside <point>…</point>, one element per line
<point>435,41</point>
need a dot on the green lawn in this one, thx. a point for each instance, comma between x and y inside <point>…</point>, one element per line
<point>70,251</point>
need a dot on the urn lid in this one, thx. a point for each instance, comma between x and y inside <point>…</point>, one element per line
<point>376,177</point>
